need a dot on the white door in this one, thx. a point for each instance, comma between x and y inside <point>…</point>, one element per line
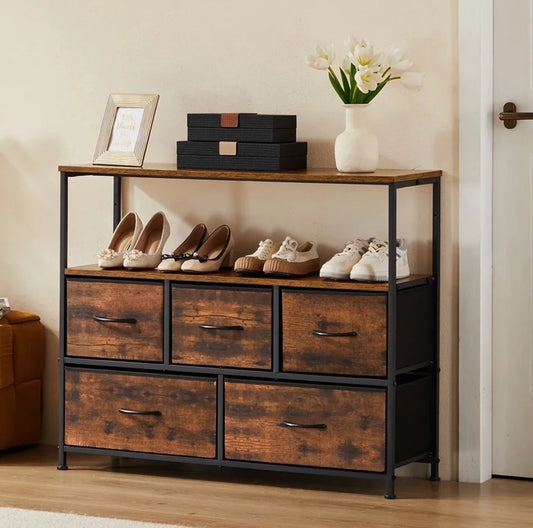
<point>513,243</point>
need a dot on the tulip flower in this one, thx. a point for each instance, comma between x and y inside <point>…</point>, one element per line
<point>412,80</point>
<point>322,59</point>
<point>364,73</point>
<point>350,44</point>
<point>396,60</point>
<point>367,79</point>
<point>363,54</point>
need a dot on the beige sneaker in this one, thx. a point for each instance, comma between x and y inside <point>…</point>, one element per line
<point>293,260</point>
<point>253,264</point>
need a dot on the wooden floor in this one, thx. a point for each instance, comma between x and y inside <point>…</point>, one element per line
<point>221,498</point>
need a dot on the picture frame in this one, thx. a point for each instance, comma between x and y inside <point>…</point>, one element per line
<point>125,129</point>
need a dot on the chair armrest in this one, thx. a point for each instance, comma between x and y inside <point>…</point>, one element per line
<point>6,355</point>
<point>28,346</point>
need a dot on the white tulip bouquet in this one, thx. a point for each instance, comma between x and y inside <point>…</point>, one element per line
<point>363,73</point>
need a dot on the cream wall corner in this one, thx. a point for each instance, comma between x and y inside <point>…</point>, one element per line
<point>61,59</point>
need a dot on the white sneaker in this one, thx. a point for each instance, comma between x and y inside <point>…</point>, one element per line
<point>339,266</point>
<point>374,264</point>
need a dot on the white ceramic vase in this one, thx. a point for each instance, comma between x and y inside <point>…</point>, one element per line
<point>356,149</point>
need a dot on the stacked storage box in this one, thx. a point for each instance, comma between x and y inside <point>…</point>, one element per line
<point>252,142</point>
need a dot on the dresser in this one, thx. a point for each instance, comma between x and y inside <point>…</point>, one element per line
<point>303,375</point>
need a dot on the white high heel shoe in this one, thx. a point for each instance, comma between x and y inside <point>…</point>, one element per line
<point>147,251</point>
<point>124,239</point>
<point>214,253</point>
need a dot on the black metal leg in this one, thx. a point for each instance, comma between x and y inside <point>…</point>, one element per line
<point>220,417</point>
<point>276,329</point>
<point>434,477</point>
<point>436,275</point>
<point>117,200</point>
<point>391,346</point>
<point>389,491</point>
<point>63,258</point>
<point>62,459</point>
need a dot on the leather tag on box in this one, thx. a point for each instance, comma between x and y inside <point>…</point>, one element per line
<point>229,120</point>
<point>227,148</point>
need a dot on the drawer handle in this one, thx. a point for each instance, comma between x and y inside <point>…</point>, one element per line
<point>220,327</point>
<point>333,334</point>
<point>142,413</point>
<point>127,320</point>
<point>302,426</point>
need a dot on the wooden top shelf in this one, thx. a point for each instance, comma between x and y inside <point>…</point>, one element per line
<point>161,170</point>
<point>230,277</point>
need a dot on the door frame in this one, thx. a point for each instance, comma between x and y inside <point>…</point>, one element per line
<point>475,41</point>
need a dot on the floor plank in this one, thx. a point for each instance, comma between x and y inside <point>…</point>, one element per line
<point>203,497</point>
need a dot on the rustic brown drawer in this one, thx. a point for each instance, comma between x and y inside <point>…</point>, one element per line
<point>115,320</point>
<point>223,327</point>
<point>152,414</point>
<point>334,333</point>
<point>347,425</point>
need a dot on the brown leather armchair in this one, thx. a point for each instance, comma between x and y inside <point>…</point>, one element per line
<point>21,371</point>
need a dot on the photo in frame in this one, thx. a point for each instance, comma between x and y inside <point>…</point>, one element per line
<point>125,129</point>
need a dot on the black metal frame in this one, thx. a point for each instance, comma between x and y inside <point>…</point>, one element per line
<point>388,384</point>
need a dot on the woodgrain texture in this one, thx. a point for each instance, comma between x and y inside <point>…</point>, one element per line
<point>354,437</point>
<point>362,355</point>
<point>167,170</point>
<point>186,425</point>
<point>197,496</point>
<point>230,277</point>
<point>142,340</point>
<point>247,309</point>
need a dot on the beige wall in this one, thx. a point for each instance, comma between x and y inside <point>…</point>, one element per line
<point>61,59</point>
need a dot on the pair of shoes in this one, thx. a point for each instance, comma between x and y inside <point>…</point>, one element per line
<point>285,259</point>
<point>253,263</point>
<point>134,246</point>
<point>174,261</point>
<point>200,252</point>
<point>366,260</point>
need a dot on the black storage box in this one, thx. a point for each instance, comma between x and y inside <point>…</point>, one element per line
<point>232,155</point>
<point>260,128</point>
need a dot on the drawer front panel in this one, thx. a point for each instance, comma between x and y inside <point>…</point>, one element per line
<point>222,327</point>
<point>182,419</point>
<point>128,324</point>
<point>351,433</point>
<point>353,328</point>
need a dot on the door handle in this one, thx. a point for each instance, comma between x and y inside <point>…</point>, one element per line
<point>510,116</point>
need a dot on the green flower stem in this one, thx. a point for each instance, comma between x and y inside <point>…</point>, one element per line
<point>353,92</point>
<point>337,85</point>
<point>348,91</point>
<point>345,83</point>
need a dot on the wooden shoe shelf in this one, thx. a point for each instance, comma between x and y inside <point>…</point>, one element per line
<point>304,375</point>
